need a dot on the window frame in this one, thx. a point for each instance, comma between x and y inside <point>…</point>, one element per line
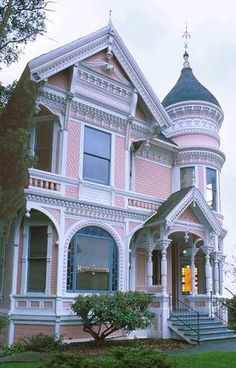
<point>87,154</point>
<point>215,191</point>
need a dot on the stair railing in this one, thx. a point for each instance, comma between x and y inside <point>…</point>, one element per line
<point>219,308</point>
<point>185,314</point>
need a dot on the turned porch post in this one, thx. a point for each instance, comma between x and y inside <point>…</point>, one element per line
<point>208,270</point>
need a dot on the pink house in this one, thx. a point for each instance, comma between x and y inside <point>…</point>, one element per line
<point>124,194</point>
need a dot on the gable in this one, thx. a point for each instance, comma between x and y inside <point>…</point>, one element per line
<point>103,40</point>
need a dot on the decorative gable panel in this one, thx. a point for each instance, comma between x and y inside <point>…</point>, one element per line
<point>189,215</point>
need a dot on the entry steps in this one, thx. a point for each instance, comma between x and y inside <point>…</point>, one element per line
<point>210,328</point>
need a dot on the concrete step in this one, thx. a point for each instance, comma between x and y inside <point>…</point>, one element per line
<point>210,333</point>
<point>209,328</point>
<point>215,338</point>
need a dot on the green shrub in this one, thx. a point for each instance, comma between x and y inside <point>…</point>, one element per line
<point>43,342</point>
<point>64,360</point>
<point>141,357</point>
<point>18,347</point>
<point>38,342</point>
<point>106,313</point>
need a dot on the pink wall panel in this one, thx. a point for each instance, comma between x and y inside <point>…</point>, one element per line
<point>201,185</point>
<point>152,179</point>
<point>196,140</point>
<point>73,149</point>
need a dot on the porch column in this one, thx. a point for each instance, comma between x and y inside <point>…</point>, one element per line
<point>216,272</point>
<point>193,252</point>
<point>208,271</point>
<point>163,245</point>
<point>149,264</point>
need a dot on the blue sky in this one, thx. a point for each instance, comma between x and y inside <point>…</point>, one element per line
<point>152,31</point>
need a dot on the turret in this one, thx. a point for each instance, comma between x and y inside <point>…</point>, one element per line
<point>196,119</point>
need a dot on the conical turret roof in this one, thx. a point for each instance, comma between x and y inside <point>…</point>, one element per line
<point>188,88</point>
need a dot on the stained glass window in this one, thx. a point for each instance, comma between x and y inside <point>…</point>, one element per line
<point>92,261</point>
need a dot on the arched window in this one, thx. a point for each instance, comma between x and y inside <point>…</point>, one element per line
<point>92,261</point>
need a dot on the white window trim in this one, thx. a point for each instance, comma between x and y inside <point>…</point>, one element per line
<point>112,155</point>
<point>217,186</point>
<point>25,263</point>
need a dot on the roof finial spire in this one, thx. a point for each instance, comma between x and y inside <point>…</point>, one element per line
<point>109,23</point>
<point>186,37</point>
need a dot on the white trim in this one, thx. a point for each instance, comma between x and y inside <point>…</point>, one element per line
<point>49,260</point>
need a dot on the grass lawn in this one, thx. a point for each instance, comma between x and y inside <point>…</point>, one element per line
<point>206,360</point>
<point>186,360</point>
<point>19,365</point>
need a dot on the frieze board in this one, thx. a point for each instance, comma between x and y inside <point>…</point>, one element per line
<point>105,84</point>
<point>216,159</point>
<point>189,109</point>
<point>79,205</point>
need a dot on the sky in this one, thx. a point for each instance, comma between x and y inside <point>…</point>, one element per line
<point>152,30</point>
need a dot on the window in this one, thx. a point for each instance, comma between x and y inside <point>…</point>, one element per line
<point>156,261</point>
<point>211,191</point>
<point>97,152</point>
<point>37,258</point>
<point>187,176</point>
<point>186,280</point>
<point>92,261</point>
<point>43,145</point>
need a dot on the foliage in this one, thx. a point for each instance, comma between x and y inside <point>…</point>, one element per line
<point>106,313</point>
<point>64,360</point>
<point>231,303</point>
<point>40,342</point>
<point>3,321</point>
<point>15,122</point>
<point>5,94</point>
<point>20,21</point>
<point>117,358</point>
<point>18,347</point>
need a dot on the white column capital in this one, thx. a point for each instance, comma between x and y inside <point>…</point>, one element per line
<point>163,244</point>
<point>206,249</point>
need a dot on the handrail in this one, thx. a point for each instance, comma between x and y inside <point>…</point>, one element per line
<point>218,305</point>
<point>185,314</point>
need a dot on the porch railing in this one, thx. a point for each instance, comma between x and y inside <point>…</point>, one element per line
<point>185,314</point>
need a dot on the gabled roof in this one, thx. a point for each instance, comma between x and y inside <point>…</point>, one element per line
<point>63,57</point>
<point>178,202</point>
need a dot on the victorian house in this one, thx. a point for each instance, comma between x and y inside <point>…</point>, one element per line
<point>124,193</point>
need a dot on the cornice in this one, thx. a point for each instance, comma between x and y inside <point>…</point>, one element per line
<point>193,109</point>
<point>200,155</point>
